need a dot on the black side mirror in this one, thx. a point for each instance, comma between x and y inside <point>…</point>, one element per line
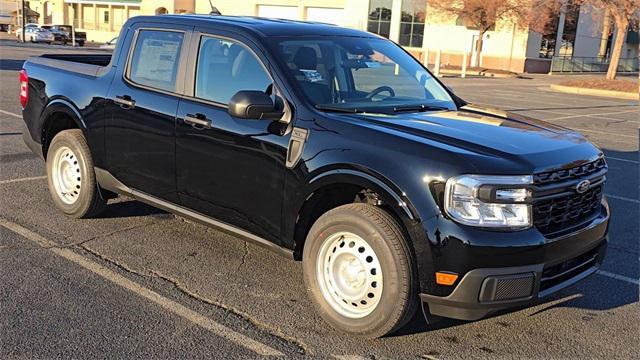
<point>250,104</point>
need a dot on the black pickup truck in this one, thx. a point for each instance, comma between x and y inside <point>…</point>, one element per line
<point>331,146</point>
<point>64,34</point>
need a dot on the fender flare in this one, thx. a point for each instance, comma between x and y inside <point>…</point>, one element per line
<point>65,106</point>
<point>357,177</point>
<point>58,106</point>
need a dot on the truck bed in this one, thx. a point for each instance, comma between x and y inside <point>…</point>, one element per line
<point>87,64</point>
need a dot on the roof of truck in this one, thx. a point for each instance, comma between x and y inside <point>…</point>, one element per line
<point>263,26</point>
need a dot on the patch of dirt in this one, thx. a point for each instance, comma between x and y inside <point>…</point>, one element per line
<point>603,84</point>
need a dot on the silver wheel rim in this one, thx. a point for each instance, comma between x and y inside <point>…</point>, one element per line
<point>349,275</point>
<point>66,176</point>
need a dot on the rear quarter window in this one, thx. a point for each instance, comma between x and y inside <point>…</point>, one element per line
<point>155,59</point>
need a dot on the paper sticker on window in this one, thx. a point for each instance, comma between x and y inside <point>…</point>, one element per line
<point>311,75</point>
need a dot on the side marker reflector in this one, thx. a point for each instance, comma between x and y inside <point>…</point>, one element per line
<point>444,278</point>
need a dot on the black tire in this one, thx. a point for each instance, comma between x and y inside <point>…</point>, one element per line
<point>89,202</point>
<point>398,300</point>
<point>81,43</point>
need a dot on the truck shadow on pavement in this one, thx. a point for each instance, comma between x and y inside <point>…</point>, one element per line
<point>130,208</point>
<point>589,295</point>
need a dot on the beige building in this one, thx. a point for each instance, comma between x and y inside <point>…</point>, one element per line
<point>410,23</point>
<point>103,19</point>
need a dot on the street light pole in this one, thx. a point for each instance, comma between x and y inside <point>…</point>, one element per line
<point>24,22</point>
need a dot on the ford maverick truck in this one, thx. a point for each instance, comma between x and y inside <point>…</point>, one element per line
<point>332,146</point>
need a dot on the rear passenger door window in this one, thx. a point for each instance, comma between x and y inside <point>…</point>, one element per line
<point>155,59</point>
<point>224,67</point>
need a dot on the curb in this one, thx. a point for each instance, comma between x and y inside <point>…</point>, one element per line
<point>595,92</point>
<point>476,74</point>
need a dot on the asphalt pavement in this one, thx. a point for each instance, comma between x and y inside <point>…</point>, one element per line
<point>138,282</point>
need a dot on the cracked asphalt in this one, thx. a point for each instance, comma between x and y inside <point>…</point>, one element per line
<point>51,306</point>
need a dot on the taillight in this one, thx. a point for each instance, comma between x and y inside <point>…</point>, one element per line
<point>24,88</point>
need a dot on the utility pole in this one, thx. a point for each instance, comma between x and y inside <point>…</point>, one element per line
<point>24,22</point>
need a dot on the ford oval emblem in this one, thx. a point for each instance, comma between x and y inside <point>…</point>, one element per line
<point>583,186</point>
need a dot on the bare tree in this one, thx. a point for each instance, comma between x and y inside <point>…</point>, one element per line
<point>626,15</point>
<point>484,14</point>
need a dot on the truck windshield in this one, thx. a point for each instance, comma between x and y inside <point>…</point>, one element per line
<point>353,74</point>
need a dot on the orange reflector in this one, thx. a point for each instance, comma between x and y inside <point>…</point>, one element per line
<point>448,279</point>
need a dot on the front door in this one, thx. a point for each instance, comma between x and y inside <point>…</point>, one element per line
<point>142,101</point>
<point>228,168</point>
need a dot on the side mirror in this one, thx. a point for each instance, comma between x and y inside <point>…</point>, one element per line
<point>251,104</point>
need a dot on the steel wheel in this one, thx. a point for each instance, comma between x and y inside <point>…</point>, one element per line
<point>349,275</point>
<point>66,175</point>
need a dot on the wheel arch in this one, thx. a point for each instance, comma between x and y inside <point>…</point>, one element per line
<point>335,187</point>
<point>58,115</point>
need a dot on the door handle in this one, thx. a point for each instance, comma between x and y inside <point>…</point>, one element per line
<point>125,101</point>
<point>198,121</point>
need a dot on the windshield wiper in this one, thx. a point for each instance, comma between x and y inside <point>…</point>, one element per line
<point>418,108</point>
<point>336,109</point>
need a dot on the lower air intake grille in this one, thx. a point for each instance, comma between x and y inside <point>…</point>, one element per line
<point>507,287</point>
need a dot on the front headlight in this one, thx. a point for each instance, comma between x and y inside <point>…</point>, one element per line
<point>489,201</point>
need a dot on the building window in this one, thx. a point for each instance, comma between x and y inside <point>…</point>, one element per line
<point>412,22</point>
<point>572,14</point>
<point>380,17</point>
<point>548,42</point>
<point>105,18</point>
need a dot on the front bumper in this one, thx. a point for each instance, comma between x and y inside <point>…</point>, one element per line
<point>550,267</point>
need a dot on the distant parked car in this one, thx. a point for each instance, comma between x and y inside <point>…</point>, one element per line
<point>111,44</point>
<point>36,34</point>
<point>63,34</point>
<point>58,36</point>
<point>18,31</point>
<point>81,37</point>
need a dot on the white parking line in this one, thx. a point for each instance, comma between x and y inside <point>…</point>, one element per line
<point>619,277</point>
<point>169,305</point>
<point>620,159</point>
<point>22,179</point>
<point>10,114</point>
<point>636,201</point>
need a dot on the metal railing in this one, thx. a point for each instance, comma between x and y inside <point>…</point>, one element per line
<point>570,64</point>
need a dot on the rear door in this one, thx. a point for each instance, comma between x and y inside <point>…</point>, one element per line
<point>228,168</point>
<point>142,101</point>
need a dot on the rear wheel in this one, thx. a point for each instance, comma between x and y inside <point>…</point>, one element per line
<point>71,178</point>
<point>359,271</point>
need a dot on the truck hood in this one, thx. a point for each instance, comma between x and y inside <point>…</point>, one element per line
<point>490,132</point>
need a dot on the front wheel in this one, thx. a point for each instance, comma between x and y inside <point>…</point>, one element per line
<point>71,177</point>
<point>359,271</point>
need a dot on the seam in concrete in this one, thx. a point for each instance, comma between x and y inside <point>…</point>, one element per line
<point>144,292</point>
<point>243,315</point>
<point>245,255</point>
<point>81,242</point>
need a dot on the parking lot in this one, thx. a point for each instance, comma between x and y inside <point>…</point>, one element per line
<point>138,282</point>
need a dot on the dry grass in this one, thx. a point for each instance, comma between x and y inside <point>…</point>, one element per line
<point>602,84</point>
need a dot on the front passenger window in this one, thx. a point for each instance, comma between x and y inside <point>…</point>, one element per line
<point>225,67</point>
